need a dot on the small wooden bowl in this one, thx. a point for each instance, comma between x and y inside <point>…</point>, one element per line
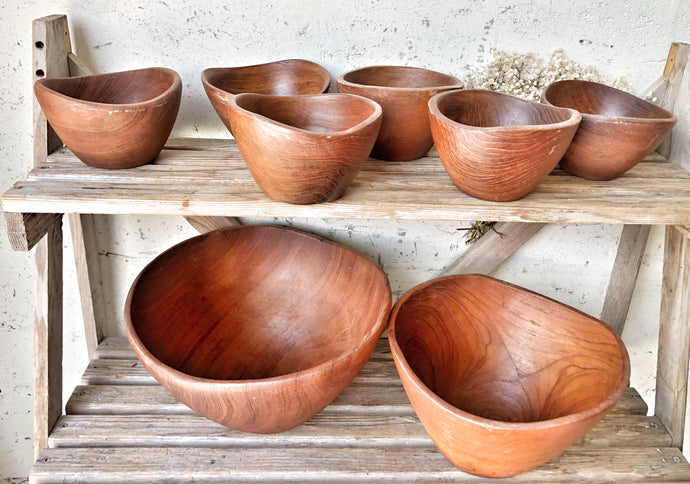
<point>403,93</point>
<point>256,327</point>
<point>503,379</point>
<point>304,149</point>
<point>495,146</point>
<point>617,130</point>
<point>281,78</point>
<point>117,120</point>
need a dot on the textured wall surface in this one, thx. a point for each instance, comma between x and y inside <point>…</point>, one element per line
<point>569,263</point>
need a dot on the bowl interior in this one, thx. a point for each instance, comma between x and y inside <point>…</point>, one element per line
<point>257,302</point>
<point>598,99</point>
<point>323,113</point>
<point>282,78</point>
<point>502,353</point>
<point>399,76</point>
<point>487,109</point>
<point>129,87</point>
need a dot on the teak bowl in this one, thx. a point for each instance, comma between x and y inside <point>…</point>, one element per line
<point>304,149</point>
<point>503,379</point>
<point>617,130</point>
<point>495,146</point>
<point>256,327</point>
<point>116,120</point>
<point>281,78</point>
<point>403,93</point>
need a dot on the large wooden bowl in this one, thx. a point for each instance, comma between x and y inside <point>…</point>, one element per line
<point>617,130</point>
<point>117,120</point>
<point>403,93</point>
<point>256,327</point>
<point>304,149</point>
<point>503,379</point>
<point>495,146</point>
<point>281,78</point>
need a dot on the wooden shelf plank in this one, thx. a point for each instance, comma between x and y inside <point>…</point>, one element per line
<point>189,180</point>
<point>401,464</point>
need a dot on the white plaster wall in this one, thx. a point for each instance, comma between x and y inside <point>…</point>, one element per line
<point>569,263</point>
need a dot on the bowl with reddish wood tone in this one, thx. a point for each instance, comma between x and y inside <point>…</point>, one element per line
<point>403,93</point>
<point>116,120</point>
<point>304,149</point>
<point>503,379</point>
<point>256,327</point>
<point>617,130</point>
<point>495,146</point>
<point>281,78</point>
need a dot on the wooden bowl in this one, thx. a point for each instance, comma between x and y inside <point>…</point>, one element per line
<point>281,78</point>
<point>256,327</point>
<point>495,146</point>
<point>304,149</point>
<point>117,120</point>
<point>403,93</point>
<point>617,130</point>
<point>503,379</point>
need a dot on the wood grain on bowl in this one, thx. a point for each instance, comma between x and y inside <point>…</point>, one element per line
<point>115,120</point>
<point>617,130</point>
<point>304,149</point>
<point>256,327</point>
<point>403,93</point>
<point>495,146</point>
<point>503,379</point>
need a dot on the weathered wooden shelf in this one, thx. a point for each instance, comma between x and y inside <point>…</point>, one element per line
<point>208,177</point>
<point>121,425</point>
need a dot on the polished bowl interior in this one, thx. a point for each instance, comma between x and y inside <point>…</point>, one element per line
<point>115,120</point>
<point>618,130</point>
<point>304,149</point>
<point>495,146</point>
<point>256,327</point>
<point>403,93</point>
<point>503,379</point>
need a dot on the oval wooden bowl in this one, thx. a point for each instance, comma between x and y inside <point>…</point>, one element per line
<point>304,149</point>
<point>403,93</point>
<point>495,146</point>
<point>281,78</point>
<point>617,130</point>
<point>256,327</point>
<point>503,379</point>
<point>116,120</point>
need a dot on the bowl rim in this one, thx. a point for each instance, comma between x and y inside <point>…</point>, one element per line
<point>286,128</point>
<point>404,366</point>
<point>341,80</point>
<point>176,84</point>
<point>149,358</point>
<point>210,70</point>
<point>669,118</point>
<point>573,120</point>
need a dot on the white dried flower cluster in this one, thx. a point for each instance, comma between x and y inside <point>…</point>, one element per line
<point>526,75</point>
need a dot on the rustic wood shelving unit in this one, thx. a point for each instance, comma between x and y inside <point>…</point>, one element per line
<point>120,425</point>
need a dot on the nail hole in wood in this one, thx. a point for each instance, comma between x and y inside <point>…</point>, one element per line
<point>40,73</point>
<point>40,44</point>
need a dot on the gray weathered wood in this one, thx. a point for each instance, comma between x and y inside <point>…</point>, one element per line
<point>24,230</point>
<point>675,99</point>
<point>47,336</point>
<point>626,266</point>
<point>492,249</point>
<point>674,334</point>
<point>400,464</point>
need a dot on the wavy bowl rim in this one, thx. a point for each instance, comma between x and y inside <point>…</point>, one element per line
<point>341,80</point>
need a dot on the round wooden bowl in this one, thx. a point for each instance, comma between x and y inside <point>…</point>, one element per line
<point>495,146</point>
<point>281,78</point>
<point>304,149</point>
<point>403,93</point>
<point>117,120</point>
<point>256,327</point>
<point>617,130</point>
<point>503,379</point>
